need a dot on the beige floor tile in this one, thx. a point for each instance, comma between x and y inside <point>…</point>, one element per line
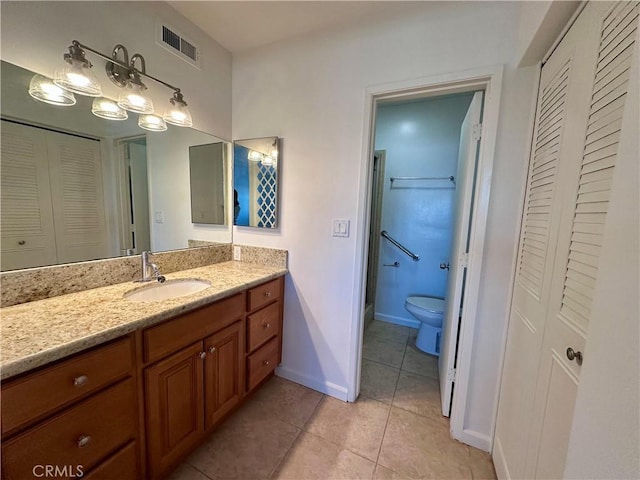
<point>420,395</point>
<point>250,444</point>
<point>383,351</point>
<point>187,472</point>
<point>358,426</point>
<point>312,457</point>
<point>420,363</point>
<point>378,381</point>
<point>418,447</point>
<point>383,473</point>
<point>388,331</point>
<point>289,401</point>
<point>481,465</point>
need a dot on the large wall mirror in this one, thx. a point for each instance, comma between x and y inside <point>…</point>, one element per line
<point>76,187</point>
<point>256,166</point>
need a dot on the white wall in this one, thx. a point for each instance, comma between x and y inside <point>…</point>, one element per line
<point>35,35</point>
<point>311,92</point>
<point>421,139</point>
<point>170,191</point>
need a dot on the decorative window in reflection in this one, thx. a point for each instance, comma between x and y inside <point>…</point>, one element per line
<point>255,182</point>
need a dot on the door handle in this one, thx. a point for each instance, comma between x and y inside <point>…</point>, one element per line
<point>573,355</point>
<point>444,266</point>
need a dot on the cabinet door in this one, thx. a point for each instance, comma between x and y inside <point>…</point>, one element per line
<point>174,408</point>
<point>223,372</point>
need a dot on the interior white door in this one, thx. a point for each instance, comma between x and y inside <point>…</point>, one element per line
<point>468,153</point>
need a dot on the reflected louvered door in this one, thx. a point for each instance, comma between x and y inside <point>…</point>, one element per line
<point>78,198</point>
<point>28,238</point>
<point>586,189</point>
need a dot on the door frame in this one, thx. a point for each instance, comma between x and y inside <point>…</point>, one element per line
<point>488,79</point>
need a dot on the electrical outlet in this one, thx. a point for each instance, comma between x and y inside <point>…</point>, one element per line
<point>237,253</point>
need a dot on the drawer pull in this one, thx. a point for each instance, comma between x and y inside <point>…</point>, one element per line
<point>80,381</point>
<point>83,441</point>
<point>266,325</point>
<point>266,363</point>
<point>202,355</point>
<point>212,349</point>
<point>267,294</point>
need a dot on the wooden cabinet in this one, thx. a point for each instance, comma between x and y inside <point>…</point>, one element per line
<point>173,401</point>
<point>72,415</point>
<point>264,331</point>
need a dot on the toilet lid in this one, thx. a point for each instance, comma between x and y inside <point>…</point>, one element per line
<point>433,305</point>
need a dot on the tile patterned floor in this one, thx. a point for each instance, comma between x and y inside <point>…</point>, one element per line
<point>394,431</point>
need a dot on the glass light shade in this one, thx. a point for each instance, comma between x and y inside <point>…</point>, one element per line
<point>152,123</point>
<point>107,108</point>
<point>268,161</point>
<point>132,98</point>
<point>178,114</point>
<point>44,90</point>
<point>254,156</point>
<point>77,77</point>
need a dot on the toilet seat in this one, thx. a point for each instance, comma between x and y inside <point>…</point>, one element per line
<point>430,304</point>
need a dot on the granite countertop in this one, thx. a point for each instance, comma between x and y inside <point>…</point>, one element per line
<point>40,332</point>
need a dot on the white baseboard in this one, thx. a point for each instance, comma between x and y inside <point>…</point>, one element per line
<point>321,386</point>
<point>406,322</point>
<point>475,439</point>
<point>499,462</point>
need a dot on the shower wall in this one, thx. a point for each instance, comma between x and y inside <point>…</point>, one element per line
<point>421,139</point>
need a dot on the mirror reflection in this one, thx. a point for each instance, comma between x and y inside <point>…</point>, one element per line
<point>256,164</point>
<point>76,187</point>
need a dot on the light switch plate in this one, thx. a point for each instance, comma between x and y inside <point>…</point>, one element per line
<point>340,227</point>
<point>159,217</point>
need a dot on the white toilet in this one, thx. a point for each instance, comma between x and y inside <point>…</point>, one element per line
<point>430,312</point>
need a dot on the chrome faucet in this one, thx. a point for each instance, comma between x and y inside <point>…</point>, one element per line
<point>150,271</point>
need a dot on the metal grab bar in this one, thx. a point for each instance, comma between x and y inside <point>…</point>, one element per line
<point>404,249</point>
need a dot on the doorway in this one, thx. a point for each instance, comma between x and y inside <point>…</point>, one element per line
<point>134,195</point>
<point>421,201</point>
<point>489,81</point>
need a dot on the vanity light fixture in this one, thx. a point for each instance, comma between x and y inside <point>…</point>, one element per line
<point>151,122</point>
<point>107,108</point>
<point>77,77</point>
<point>43,89</point>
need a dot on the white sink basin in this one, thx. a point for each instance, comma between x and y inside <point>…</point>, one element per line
<point>164,291</point>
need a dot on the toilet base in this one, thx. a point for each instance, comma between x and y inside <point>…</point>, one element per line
<point>428,339</point>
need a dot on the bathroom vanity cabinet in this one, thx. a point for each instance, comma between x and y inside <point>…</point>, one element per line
<point>137,406</point>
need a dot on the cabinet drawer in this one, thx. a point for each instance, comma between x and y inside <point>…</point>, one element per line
<point>175,334</point>
<point>262,363</point>
<point>121,466</point>
<point>265,293</point>
<point>263,325</point>
<point>83,435</point>
<point>42,392</point>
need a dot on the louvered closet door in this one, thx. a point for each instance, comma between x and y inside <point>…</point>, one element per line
<point>78,198</point>
<point>28,239</point>
<point>575,270</point>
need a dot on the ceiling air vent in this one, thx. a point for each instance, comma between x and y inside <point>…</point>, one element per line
<point>174,42</point>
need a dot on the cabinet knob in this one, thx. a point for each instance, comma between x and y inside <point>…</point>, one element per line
<point>202,355</point>
<point>21,242</point>
<point>266,363</point>
<point>573,355</point>
<point>267,294</point>
<point>212,349</point>
<point>80,381</point>
<point>266,325</point>
<point>83,441</point>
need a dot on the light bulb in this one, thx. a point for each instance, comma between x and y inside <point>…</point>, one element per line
<point>107,108</point>
<point>177,113</point>
<point>44,90</point>
<point>254,156</point>
<point>132,98</point>
<point>152,123</point>
<point>76,76</point>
